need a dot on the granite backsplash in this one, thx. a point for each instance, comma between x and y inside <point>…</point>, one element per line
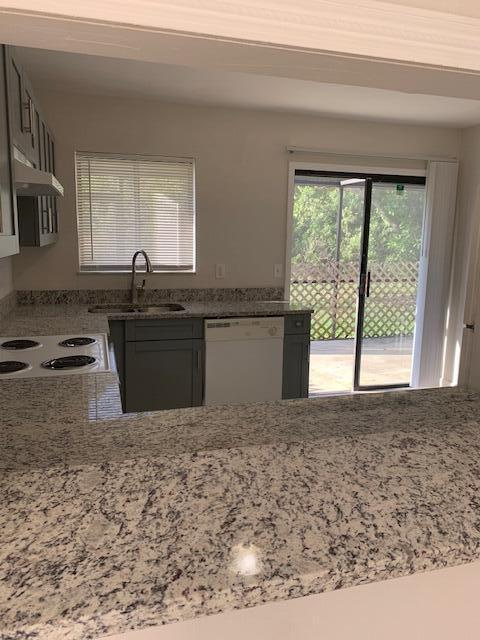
<point>152,296</point>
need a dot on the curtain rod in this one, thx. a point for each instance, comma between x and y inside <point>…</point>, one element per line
<point>397,156</point>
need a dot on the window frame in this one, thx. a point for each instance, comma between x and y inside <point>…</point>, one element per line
<point>135,156</point>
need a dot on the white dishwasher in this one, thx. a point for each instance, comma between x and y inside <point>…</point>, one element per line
<point>243,359</point>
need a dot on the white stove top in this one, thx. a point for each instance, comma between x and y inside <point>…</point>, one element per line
<point>43,356</point>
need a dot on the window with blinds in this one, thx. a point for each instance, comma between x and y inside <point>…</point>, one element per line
<point>126,203</point>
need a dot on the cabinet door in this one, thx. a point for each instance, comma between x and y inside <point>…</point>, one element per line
<point>164,374</point>
<point>296,356</point>
<point>16,96</point>
<point>8,201</point>
<point>52,200</point>
<point>29,123</point>
<point>38,140</point>
<point>43,201</point>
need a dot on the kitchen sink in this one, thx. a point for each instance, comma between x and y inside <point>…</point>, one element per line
<point>132,308</point>
<point>161,308</point>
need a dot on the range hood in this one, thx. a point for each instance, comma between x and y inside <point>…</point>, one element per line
<point>33,182</point>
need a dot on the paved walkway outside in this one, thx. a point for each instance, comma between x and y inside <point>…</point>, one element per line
<point>384,361</point>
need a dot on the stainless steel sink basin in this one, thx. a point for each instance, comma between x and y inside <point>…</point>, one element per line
<point>161,308</point>
<point>130,308</point>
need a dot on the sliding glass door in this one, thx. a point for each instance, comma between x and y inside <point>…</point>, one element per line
<point>388,281</point>
<point>355,250</point>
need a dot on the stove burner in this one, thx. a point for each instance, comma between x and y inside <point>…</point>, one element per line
<point>12,366</point>
<point>17,345</point>
<point>68,362</point>
<point>77,342</point>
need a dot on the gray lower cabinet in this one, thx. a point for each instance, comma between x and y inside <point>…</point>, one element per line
<point>163,374</point>
<point>296,356</point>
<point>161,363</point>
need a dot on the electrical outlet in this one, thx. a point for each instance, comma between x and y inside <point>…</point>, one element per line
<point>277,270</point>
<point>220,270</point>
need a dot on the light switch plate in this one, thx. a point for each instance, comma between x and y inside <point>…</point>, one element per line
<point>220,270</point>
<point>277,270</point>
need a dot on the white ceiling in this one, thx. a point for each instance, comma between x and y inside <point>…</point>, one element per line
<point>81,73</point>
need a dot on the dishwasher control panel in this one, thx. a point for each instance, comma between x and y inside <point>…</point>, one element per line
<point>244,328</point>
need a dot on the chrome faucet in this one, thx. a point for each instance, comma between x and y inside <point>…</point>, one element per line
<point>139,290</point>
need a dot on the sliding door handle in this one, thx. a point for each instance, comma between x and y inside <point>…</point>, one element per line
<point>364,286</point>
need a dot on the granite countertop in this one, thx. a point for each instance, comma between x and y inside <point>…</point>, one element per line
<point>44,320</point>
<point>111,522</point>
<point>215,310</point>
<point>51,319</point>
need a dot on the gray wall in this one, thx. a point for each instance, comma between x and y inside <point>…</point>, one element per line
<point>242,169</point>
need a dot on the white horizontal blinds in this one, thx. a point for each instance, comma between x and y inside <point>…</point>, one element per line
<point>129,203</point>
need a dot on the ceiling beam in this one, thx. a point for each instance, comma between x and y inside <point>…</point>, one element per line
<point>311,40</point>
<point>367,28</point>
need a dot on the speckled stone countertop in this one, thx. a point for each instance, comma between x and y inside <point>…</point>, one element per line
<point>46,319</point>
<point>220,310</point>
<point>39,320</point>
<point>110,522</point>
<point>121,522</point>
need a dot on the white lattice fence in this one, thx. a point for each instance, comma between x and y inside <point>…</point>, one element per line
<point>330,288</point>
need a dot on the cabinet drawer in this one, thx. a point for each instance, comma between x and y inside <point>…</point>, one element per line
<point>181,329</point>
<point>297,323</point>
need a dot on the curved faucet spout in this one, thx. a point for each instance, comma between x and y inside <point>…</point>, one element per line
<point>135,290</point>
